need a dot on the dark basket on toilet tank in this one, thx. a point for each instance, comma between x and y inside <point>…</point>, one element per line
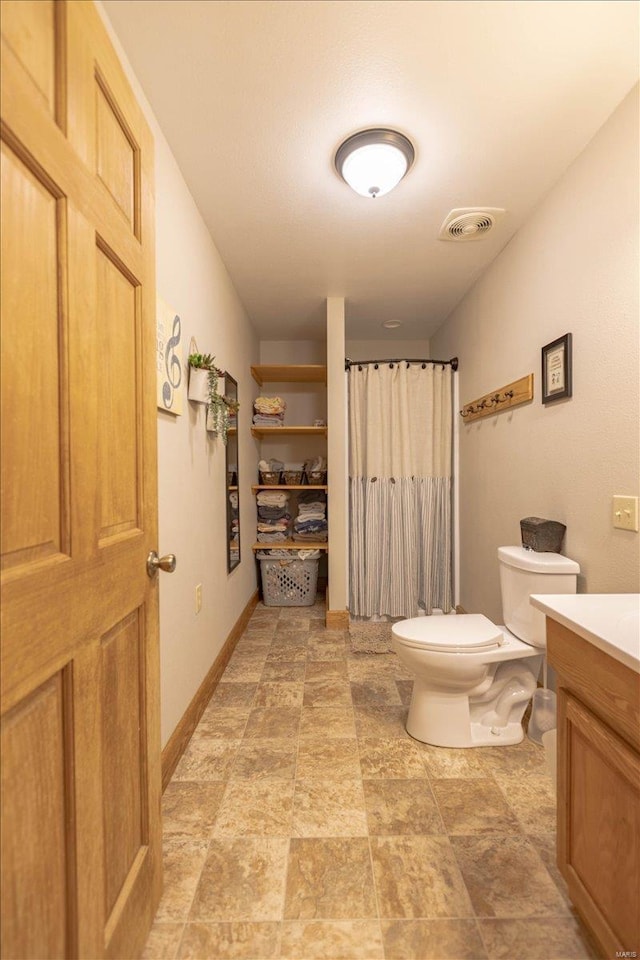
<point>542,536</point>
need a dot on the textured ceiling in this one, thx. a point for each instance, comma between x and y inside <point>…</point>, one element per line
<point>255,96</point>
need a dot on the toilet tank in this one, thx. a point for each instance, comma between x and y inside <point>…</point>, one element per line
<point>523,572</point>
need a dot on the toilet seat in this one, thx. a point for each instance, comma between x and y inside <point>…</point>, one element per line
<point>462,633</point>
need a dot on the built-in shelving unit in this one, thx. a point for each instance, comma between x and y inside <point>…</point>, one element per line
<point>264,432</point>
<point>289,486</point>
<point>289,373</point>
<point>292,545</point>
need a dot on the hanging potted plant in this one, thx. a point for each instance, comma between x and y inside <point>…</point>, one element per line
<point>201,365</point>
<point>220,410</point>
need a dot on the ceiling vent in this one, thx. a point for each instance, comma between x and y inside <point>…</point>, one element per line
<point>469,223</point>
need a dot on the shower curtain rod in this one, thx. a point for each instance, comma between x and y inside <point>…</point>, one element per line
<point>453,363</point>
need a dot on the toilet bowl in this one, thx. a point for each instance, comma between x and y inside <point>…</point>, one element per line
<point>473,680</point>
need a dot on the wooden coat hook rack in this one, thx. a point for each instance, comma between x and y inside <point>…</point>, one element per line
<point>520,391</point>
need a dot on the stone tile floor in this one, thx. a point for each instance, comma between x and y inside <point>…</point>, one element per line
<point>303,822</point>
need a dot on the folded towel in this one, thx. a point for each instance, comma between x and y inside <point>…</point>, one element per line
<point>262,420</point>
<point>272,498</point>
<point>272,537</point>
<point>277,527</point>
<point>269,405</point>
<point>316,537</point>
<point>309,526</point>
<point>309,510</point>
<point>312,496</point>
<point>271,513</point>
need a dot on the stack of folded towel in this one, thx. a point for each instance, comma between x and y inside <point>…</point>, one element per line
<point>273,517</point>
<point>269,411</point>
<point>311,522</point>
<point>233,504</point>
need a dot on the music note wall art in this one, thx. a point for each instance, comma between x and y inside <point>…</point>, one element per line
<point>170,371</point>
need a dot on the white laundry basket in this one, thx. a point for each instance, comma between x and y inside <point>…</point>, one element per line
<point>289,583</point>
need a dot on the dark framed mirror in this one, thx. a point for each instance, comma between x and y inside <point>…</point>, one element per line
<point>232,481</point>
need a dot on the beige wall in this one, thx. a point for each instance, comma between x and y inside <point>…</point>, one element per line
<point>572,268</point>
<point>192,279</point>
<point>381,349</point>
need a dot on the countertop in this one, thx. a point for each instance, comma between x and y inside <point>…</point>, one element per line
<point>610,621</point>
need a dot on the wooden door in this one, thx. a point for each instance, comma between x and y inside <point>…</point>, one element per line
<point>81,832</point>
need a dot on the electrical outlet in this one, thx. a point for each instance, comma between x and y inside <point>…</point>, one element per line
<point>198,598</point>
<point>625,513</point>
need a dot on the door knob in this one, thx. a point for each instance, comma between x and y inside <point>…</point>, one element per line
<point>155,563</point>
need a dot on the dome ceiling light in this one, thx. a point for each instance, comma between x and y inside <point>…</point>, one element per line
<point>373,162</point>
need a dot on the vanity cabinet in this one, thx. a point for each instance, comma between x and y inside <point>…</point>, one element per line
<point>598,788</point>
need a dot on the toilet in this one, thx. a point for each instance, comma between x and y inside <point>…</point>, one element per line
<point>472,678</point>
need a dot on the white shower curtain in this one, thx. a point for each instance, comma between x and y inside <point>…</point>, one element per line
<point>400,421</point>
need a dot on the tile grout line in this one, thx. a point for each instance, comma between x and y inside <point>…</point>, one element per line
<point>488,773</point>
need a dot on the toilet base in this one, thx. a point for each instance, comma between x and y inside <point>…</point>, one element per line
<point>449,720</point>
<point>482,736</point>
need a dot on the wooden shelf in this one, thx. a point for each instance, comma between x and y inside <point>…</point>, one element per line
<point>232,431</point>
<point>292,545</point>
<point>232,488</point>
<point>289,373</point>
<point>289,486</point>
<point>263,432</point>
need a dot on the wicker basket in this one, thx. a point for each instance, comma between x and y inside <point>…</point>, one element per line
<point>316,477</point>
<point>269,478</point>
<point>292,477</point>
<point>289,583</point>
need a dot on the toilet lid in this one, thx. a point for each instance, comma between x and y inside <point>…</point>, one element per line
<point>470,632</point>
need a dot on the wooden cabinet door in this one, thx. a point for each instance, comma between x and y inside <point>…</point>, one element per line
<point>599,825</point>
<point>81,830</point>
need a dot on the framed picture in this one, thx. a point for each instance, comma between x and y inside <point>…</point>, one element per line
<point>556,369</point>
<point>168,358</point>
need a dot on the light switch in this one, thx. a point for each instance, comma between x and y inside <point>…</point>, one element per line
<point>625,513</point>
<point>198,598</point>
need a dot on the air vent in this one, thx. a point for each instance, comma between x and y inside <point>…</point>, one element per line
<point>469,223</point>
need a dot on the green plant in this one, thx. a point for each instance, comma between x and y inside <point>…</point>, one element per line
<point>225,408</point>
<point>220,407</point>
<point>202,361</point>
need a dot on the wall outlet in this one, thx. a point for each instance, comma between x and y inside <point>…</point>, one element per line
<point>198,597</point>
<point>625,513</point>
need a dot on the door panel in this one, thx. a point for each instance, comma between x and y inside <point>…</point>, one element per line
<point>601,821</point>
<point>29,27</point>
<point>123,753</point>
<point>35,525</point>
<point>118,325</point>
<point>116,153</point>
<point>80,664</point>
<point>35,848</point>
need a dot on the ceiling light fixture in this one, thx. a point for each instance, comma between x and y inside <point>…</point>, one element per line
<point>392,324</point>
<point>373,162</point>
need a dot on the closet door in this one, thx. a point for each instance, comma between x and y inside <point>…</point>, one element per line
<point>80,717</point>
